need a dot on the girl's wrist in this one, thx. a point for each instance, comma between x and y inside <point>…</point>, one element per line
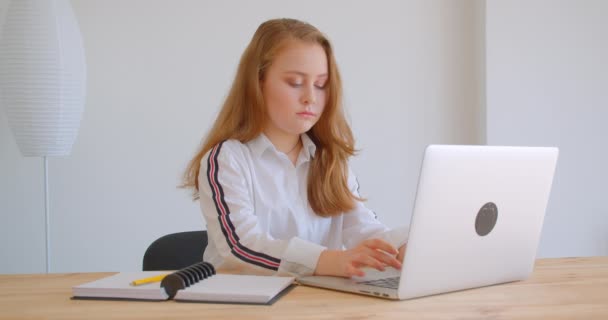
<point>328,264</point>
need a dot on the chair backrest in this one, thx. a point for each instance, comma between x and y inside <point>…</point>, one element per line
<point>175,251</point>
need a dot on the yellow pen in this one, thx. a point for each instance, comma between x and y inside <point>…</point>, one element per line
<point>148,280</point>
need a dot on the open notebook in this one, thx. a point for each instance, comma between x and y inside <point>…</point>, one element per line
<point>187,285</point>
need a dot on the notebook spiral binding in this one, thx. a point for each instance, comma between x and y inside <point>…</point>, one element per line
<point>186,277</point>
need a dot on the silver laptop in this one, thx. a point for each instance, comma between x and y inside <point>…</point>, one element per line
<point>477,221</point>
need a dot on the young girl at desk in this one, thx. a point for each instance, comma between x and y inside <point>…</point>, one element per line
<point>272,175</point>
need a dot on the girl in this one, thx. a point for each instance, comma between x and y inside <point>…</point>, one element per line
<point>272,175</point>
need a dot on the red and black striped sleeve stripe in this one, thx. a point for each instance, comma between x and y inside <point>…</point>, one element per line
<point>223,211</point>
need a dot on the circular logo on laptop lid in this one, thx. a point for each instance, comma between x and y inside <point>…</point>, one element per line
<point>486,219</point>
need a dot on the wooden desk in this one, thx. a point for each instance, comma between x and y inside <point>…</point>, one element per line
<point>569,288</point>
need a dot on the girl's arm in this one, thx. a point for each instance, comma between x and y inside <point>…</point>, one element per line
<point>368,242</point>
<point>232,225</point>
<point>361,223</point>
<point>373,253</point>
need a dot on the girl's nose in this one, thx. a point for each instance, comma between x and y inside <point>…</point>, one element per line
<point>309,97</point>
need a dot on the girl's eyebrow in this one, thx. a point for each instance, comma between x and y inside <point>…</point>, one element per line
<point>323,75</point>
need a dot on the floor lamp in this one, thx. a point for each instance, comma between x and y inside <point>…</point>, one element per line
<point>42,82</point>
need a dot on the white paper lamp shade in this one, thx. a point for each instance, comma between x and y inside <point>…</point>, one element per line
<point>42,76</point>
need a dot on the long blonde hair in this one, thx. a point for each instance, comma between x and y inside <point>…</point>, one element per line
<point>244,115</point>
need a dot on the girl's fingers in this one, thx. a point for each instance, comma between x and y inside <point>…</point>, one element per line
<point>401,252</point>
<point>386,259</point>
<point>383,258</point>
<point>373,253</point>
<point>367,259</point>
<point>351,270</point>
<point>379,244</point>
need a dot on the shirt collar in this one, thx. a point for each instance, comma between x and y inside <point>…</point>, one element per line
<point>261,143</point>
<point>309,146</point>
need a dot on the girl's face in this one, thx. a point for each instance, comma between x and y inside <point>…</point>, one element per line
<point>294,88</point>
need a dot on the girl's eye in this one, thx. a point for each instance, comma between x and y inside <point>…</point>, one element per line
<point>294,83</point>
<point>299,84</point>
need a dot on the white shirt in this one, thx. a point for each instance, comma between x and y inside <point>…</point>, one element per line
<point>259,221</point>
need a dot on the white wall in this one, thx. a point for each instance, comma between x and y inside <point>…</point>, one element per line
<point>157,73</point>
<point>547,84</point>
<point>22,243</point>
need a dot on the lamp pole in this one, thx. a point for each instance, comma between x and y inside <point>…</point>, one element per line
<point>47,217</point>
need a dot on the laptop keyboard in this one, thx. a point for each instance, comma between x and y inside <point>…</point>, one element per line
<point>391,283</point>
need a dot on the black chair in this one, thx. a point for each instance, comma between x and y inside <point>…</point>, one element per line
<point>175,251</point>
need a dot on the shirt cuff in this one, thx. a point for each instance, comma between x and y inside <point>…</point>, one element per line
<point>397,237</point>
<point>300,258</point>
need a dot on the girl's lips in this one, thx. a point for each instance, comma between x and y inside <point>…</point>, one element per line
<point>307,114</point>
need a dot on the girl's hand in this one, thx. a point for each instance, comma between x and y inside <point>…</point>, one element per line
<point>401,253</point>
<point>374,253</point>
